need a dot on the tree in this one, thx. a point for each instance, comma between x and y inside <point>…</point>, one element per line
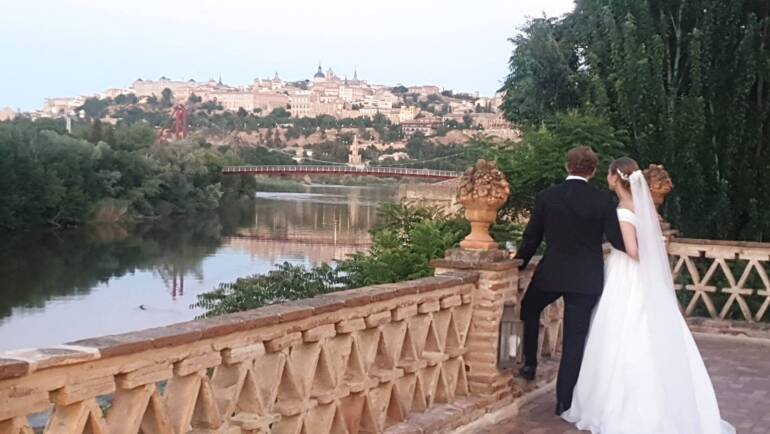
<point>124,99</point>
<point>399,90</point>
<point>94,108</point>
<point>543,73</point>
<point>280,113</point>
<point>242,113</point>
<point>167,97</point>
<point>194,99</point>
<point>467,121</point>
<point>538,160</point>
<point>96,131</point>
<point>688,81</point>
<point>49,177</point>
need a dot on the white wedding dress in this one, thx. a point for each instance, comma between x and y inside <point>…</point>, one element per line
<point>642,372</point>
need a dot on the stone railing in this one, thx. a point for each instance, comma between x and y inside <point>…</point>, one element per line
<point>388,358</point>
<point>722,280</point>
<point>363,358</point>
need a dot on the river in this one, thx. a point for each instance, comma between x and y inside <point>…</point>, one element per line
<point>57,287</point>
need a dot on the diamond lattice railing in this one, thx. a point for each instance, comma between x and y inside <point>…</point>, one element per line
<point>354,362</point>
<point>722,280</point>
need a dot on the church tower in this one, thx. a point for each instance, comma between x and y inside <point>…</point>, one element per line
<point>354,158</point>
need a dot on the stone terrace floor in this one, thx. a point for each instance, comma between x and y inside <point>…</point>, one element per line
<point>740,371</point>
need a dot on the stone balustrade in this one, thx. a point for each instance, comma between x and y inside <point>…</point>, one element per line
<point>418,355</point>
<point>412,357</point>
<point>723,285</point>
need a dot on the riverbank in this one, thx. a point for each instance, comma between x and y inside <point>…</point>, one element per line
<point>295,185</point>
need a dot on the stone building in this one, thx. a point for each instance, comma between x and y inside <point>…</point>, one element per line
<point>180,89</point>
<point>490,121</point>
<point>233,100</point>
<point>269,101</point>
<point>425,90</point>
<point>60,106</point>
<point>7,114</point>
<point>300,103</point>
<point>427,126</point>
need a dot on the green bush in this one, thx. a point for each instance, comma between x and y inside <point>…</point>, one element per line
<point>404,242</point>
<point>286,282</point>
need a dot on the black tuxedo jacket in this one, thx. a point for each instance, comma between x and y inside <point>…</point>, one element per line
<point>574,218</point>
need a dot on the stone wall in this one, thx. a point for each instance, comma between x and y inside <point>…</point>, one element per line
<point>441,194</point>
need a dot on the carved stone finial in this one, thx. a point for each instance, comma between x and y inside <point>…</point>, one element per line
<point>483,190</point>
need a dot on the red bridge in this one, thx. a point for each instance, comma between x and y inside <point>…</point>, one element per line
<point>383,172</point>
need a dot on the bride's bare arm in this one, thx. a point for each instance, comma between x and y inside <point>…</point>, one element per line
<point>629,239</point>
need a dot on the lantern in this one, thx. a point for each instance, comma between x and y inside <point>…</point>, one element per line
<point>509,338</point>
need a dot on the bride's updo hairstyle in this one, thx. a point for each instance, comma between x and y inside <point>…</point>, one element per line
<point>624,167</point>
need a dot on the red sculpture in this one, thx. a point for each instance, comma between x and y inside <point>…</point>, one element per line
<point>180,121</point>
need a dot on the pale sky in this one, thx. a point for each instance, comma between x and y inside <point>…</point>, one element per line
<point>52,48</point>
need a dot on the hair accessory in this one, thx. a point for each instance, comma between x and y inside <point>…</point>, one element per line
<point>622,175</point>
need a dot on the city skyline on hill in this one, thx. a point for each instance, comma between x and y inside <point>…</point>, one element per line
<point>84,46</point>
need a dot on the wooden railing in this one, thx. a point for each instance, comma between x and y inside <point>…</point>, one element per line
<point>726,280</point>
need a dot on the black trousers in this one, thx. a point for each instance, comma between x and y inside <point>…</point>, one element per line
<point>577,319</point>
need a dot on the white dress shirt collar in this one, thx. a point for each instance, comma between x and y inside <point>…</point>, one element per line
<point>576,177</point>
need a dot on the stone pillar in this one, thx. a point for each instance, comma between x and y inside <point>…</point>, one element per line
<point>497,285</point>
<point>483,189</point>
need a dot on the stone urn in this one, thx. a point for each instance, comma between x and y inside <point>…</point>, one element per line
<point>483,190</point>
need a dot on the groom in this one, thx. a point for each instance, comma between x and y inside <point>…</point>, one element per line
<point>574,218</point>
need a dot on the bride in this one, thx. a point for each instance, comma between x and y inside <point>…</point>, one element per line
<point>642,372</point>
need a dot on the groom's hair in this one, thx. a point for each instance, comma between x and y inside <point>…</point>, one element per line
<point>582,161</point>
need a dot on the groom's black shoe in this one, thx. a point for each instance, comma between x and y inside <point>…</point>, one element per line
<point>527,372</point>
<point>561,408</point>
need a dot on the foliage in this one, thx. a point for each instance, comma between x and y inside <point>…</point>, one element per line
<point>538,160</point>
<point>124,99</point>
<point>544,74</point>
<point>687,81</point>
<point>286,282</point>
<point>49,177</point>
<point>263,156</point>
<point>167,97</point>
<point>194,99</point>
<point>95,108</point>
<point>404,242</point>
<point>331,151</point>
<point>429,155</point>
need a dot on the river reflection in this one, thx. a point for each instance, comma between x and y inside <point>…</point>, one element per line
<point>58,287</point>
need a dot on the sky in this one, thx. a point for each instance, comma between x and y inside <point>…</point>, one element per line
<point>57,48</point>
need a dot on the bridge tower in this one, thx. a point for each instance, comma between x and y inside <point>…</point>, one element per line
<point>354,158</point>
